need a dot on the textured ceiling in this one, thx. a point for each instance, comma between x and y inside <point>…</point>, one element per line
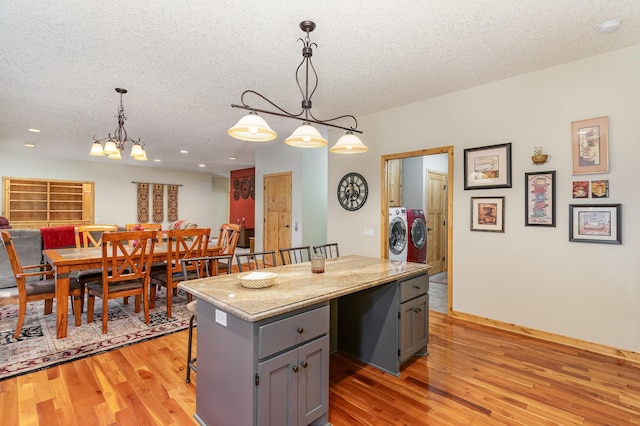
<point>185,62</point>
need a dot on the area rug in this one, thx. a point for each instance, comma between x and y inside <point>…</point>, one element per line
<point>37,346</point>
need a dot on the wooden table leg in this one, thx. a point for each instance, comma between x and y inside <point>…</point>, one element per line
<point>62,300</point>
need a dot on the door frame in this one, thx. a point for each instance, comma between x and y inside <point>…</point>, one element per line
<point>384,208</point>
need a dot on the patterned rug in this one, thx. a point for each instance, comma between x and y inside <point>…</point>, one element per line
<point>37,346</point>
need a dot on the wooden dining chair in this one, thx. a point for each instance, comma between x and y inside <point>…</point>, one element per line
<point>329,250</point>
<point>90,236</point>
<point>193,268</point>
<point>181,243</point>
<point>126,268</point>
<point>291,255</point>
<point>256,260</point>
<point>30,289</point>
<point>228,236</point>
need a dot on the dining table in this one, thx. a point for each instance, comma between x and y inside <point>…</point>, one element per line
<point>64,261</point>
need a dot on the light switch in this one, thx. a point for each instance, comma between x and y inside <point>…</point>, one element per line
<point>368,232</point>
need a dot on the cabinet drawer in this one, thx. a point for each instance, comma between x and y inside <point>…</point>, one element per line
<point>414,287</point>
<point>288,332</point>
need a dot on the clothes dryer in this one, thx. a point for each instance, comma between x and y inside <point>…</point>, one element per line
<point>417,224</point>
<point>398,234</point>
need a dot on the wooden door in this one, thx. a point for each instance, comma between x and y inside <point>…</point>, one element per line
<point>395,182</point>
<point>277,212</point>
<point>436,220</point>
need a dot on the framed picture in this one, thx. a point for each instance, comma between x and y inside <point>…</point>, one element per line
<point>580,189</point>
<point>487,167</point>
<point>595,223</point>
<point>540,199</point>
<point>487,214</point>
<point>600,189</point>
<point>590,142</point>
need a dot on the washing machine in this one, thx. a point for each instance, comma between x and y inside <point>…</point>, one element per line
<point>398,234</point>
<point>417,225</point>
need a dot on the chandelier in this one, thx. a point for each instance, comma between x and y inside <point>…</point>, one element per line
<point>254,128</point>
<point>115,143</point>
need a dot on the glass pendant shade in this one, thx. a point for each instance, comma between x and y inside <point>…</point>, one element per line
<point>96,149</point>
<point>110,148</point>
<point>306,136</point>
<point>349,144</point>
<point>136,150</point>
<point>115,156</point>
<point>252,128</point>
<point>142,156</point>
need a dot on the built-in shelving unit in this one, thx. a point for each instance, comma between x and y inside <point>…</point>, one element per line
<point>37,203</point>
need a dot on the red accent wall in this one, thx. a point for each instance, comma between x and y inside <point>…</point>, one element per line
<point>242,197</point>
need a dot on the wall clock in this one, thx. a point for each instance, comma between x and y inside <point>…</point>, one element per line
<point>352,191</point>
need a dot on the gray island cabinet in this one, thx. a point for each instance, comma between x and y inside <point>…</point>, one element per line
<point>263,354</point>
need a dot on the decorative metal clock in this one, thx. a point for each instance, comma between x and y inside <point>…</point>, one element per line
<point>352,191</point>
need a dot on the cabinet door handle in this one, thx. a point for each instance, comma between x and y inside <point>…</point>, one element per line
<point>300,330</point>
<point>295,368</point>
<point>417,287</point>
<point>417,310</point>
<point>303,364</point>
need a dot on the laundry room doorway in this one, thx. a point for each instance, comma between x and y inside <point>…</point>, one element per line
<point>422,180</point>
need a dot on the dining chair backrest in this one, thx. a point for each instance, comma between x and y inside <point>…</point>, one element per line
<point>329,250</point>
<point>228,236</point>
<point>256,260</point>
<point>185,243</point>
<point>91,235</point>
<point>127,255</point>
<point>202,267</point>
<point>54,237</point>
<point>291,255</point>
<point>146,227</point>
<point>14,260</point>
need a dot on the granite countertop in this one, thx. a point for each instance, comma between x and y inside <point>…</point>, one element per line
<point>296,287</point>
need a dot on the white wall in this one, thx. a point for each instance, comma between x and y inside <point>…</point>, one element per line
<point>115,195</point>
<point>220,192</point>
<point>530,276</point>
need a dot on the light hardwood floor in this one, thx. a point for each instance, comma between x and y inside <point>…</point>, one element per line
<point>473,375</point>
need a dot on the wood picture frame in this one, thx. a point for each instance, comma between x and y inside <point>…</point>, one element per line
<point>487,214</point>
<point>488,167</point>
<point>595,223</point>
<point>590,146</point>
<point>540,198</point>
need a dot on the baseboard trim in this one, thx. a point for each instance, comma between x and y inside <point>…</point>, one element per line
<point>598,348</point>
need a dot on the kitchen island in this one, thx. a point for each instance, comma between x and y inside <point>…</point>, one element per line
<point>263,354</point>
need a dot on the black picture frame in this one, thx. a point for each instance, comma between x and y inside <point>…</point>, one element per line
<point>488,167</point>
<point>487,214</point>
<point>540,198</point>
<point>595,223</point>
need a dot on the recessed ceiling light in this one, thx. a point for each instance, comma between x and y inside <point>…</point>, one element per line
<point>201,165</point>
<point>30,145</point>
<point>34,130</point>
<point>609,26</point>
<point>233,158</point>
<point>184,151</point>
<point>157,160</point>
